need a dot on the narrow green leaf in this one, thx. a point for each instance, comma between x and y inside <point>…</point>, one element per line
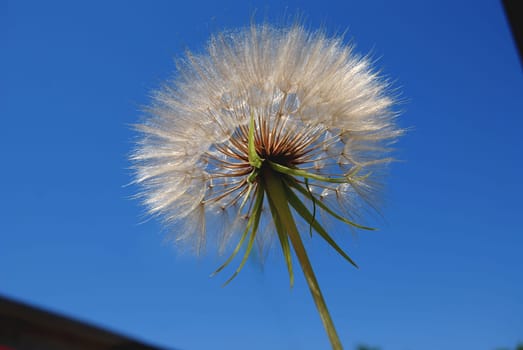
<point>302,210</point>
<point>253,175</point>
<point>236,250</point>
<point>242,238</point>
<point>313,205</point>
<point>302,173</point>
<point>246,197</point>
<point>256,215</point>
<point>254,158</point>
<point>293,183</point>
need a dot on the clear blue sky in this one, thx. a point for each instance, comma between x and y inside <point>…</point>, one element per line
<point>443,272</point>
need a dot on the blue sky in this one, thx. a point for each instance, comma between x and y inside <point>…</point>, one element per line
<point>444,270</point>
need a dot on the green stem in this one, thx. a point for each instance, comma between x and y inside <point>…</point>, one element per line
<point>275,189</point>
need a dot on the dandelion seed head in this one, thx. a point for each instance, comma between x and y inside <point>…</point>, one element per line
<point>316,105</point>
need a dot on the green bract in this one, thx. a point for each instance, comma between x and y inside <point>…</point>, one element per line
<point>278,183</point>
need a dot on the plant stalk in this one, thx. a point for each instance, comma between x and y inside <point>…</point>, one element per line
<point>275,189</point>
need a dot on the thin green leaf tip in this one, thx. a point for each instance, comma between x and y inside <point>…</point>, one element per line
<point>276,184</point>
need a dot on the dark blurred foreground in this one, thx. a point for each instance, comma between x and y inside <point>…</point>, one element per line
<point>514,13</point>
<point>23,327</point>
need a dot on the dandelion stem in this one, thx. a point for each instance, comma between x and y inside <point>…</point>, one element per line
<point>284,240</point>
<point>276,193</point>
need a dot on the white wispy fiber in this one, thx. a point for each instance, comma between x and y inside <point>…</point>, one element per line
<point>317,105</point>
<point>266,129</point>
